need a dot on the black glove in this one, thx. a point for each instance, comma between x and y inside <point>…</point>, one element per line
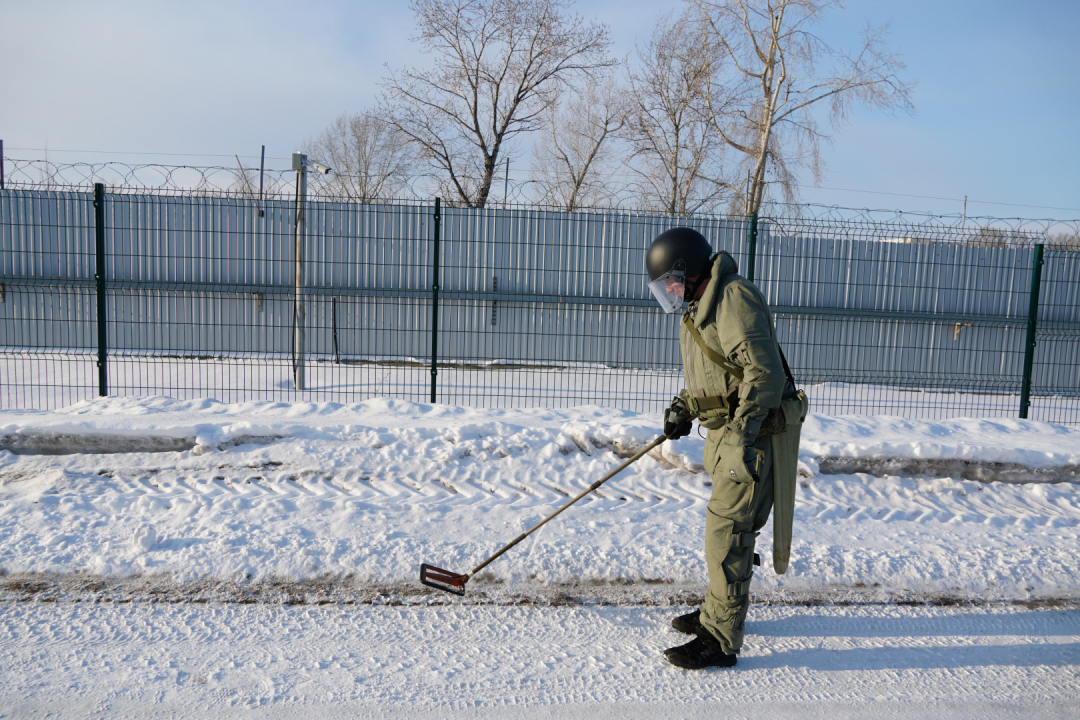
<point>678,420</point>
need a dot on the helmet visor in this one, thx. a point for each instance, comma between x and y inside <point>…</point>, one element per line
<point>670,288</point>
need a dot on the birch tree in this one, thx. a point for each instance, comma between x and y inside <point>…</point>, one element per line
<point>371,158</point>
<point>497,67</point>
<point>780,88</point>
<point>675,157</point>
<point>573,162</point>
<point>1064,240</point>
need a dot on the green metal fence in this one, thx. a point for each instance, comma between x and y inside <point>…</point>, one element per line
<point>198,295</point>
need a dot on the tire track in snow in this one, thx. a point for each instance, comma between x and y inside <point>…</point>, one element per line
<point>322,506</point>
<point>829,497</point>
<point>469,452</point>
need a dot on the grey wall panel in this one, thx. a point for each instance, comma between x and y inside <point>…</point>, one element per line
<point>895,277</point>
<point>562,335</point>
<point>206,276</point>
<point>597,255</point>
<point>169,240</point>
<point>368,246</point>
<point>48,318</point>
<point>901,352</point>
<point>1059,300</point>
<point>46,234</point>
<point>1056,367</point>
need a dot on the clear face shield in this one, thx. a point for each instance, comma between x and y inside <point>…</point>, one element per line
<point>670,288</point>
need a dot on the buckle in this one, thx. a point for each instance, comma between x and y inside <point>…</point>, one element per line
<point>737,589</point>
<point>740,539</point>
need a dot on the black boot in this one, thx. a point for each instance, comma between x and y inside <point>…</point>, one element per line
<point>701,652</point>
<point>688,624</point>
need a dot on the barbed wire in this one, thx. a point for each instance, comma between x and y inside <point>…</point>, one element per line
<point>192,180</point>
<point>781,219</point>
<point>128,178</point>
<point>905,226</point>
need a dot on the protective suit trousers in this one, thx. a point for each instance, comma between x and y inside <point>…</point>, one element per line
<point>734,508</point>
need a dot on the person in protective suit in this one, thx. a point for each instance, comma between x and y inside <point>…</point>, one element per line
<point>736,381</point>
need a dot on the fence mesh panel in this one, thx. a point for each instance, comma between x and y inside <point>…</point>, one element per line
<point>883,318</point>
<point>535,307</point>
<point>1056,373</point>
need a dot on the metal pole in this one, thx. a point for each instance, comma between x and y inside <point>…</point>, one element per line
<point>1029,346</point>
<point>752,250</point>
<point>99,281</point>
<point>333,323</point>
<point>299,380</point>
<point>638,455</point>
<point>1,164</point>
<point>435,300</point>
<point>262,167</point>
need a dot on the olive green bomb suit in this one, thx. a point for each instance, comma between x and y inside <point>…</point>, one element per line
<point>732,319</point>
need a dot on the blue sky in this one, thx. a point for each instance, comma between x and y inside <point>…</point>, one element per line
<point>997,100</point>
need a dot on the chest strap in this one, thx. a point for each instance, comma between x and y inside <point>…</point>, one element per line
<point>702,404</point>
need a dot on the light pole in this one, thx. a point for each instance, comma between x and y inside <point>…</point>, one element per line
<point>300,163</point>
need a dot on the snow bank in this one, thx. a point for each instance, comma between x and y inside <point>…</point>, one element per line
<point>368,491</point>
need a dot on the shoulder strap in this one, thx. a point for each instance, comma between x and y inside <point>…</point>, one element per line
<point>787,370</point>
<point>720,360</point>
<point>712,354</point>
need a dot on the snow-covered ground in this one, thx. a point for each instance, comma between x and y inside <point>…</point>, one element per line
<point>367,492</point>
<point>579,662</point>
<point>58,379</point>
<point>174,556</point>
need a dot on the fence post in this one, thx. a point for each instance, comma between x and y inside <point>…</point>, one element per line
<point>1032,322</point>
<point>299,163</point>
<point>435,300</point>
<point>752,250</point>
<point>333,325</point>
<point>99,281</point>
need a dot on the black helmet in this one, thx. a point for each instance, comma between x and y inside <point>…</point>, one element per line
<point>681,243</point>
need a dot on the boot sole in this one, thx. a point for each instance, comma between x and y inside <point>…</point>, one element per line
<point>725,662</point>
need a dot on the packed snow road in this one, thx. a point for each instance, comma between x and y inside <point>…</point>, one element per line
<point>223,661</point>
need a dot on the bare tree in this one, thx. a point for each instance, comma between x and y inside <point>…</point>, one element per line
<point>990,236</point>
<point>776,73</point>
<point>371,158</point>
<point>246,182</point>
<point>572,163</point>
<point>1064,240</point>
<point>497,65</point>
<point>675,157</point>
